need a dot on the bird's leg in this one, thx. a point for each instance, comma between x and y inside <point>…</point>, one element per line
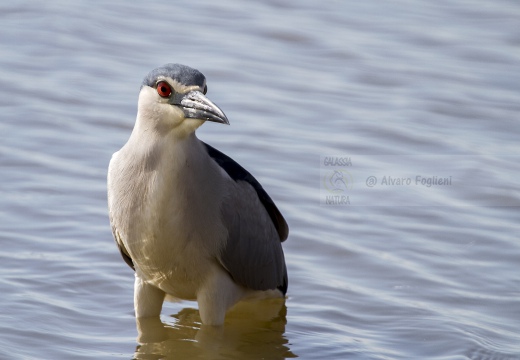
<point>216,296</point>
<point>148,299</point>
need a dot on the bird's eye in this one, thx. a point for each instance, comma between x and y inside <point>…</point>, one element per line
<point>164,89</point>
<point>205,89</point>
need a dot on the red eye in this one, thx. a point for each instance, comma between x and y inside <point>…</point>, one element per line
<point>164,89</point>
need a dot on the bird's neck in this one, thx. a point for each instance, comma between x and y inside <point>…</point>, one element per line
<point>167,150</point>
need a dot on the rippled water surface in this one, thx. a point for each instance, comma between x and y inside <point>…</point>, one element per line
<point>378,270</point>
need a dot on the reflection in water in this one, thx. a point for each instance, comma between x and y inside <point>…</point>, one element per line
<point>253,329</point>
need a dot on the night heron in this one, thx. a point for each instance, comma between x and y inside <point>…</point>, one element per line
<point>191,222</point>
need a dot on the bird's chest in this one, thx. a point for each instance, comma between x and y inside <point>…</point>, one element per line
<point>174,231</point>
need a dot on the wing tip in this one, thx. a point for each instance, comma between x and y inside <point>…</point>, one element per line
<point>285,285</point>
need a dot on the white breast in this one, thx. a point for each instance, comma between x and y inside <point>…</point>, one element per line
<point>165,207</point>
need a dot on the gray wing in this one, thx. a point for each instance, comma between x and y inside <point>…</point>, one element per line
<point>238,173</point>
<point>253,255</point>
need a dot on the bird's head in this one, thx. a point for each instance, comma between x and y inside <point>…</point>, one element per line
<point>173,98</point>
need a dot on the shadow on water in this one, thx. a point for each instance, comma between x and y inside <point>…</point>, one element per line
<point>252,330</point>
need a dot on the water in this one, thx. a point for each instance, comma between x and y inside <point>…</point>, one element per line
<point>402,88</point>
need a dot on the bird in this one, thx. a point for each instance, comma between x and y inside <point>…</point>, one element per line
<point>191,222</point>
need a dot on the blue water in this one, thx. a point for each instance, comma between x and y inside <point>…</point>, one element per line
<point>401,88</point>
